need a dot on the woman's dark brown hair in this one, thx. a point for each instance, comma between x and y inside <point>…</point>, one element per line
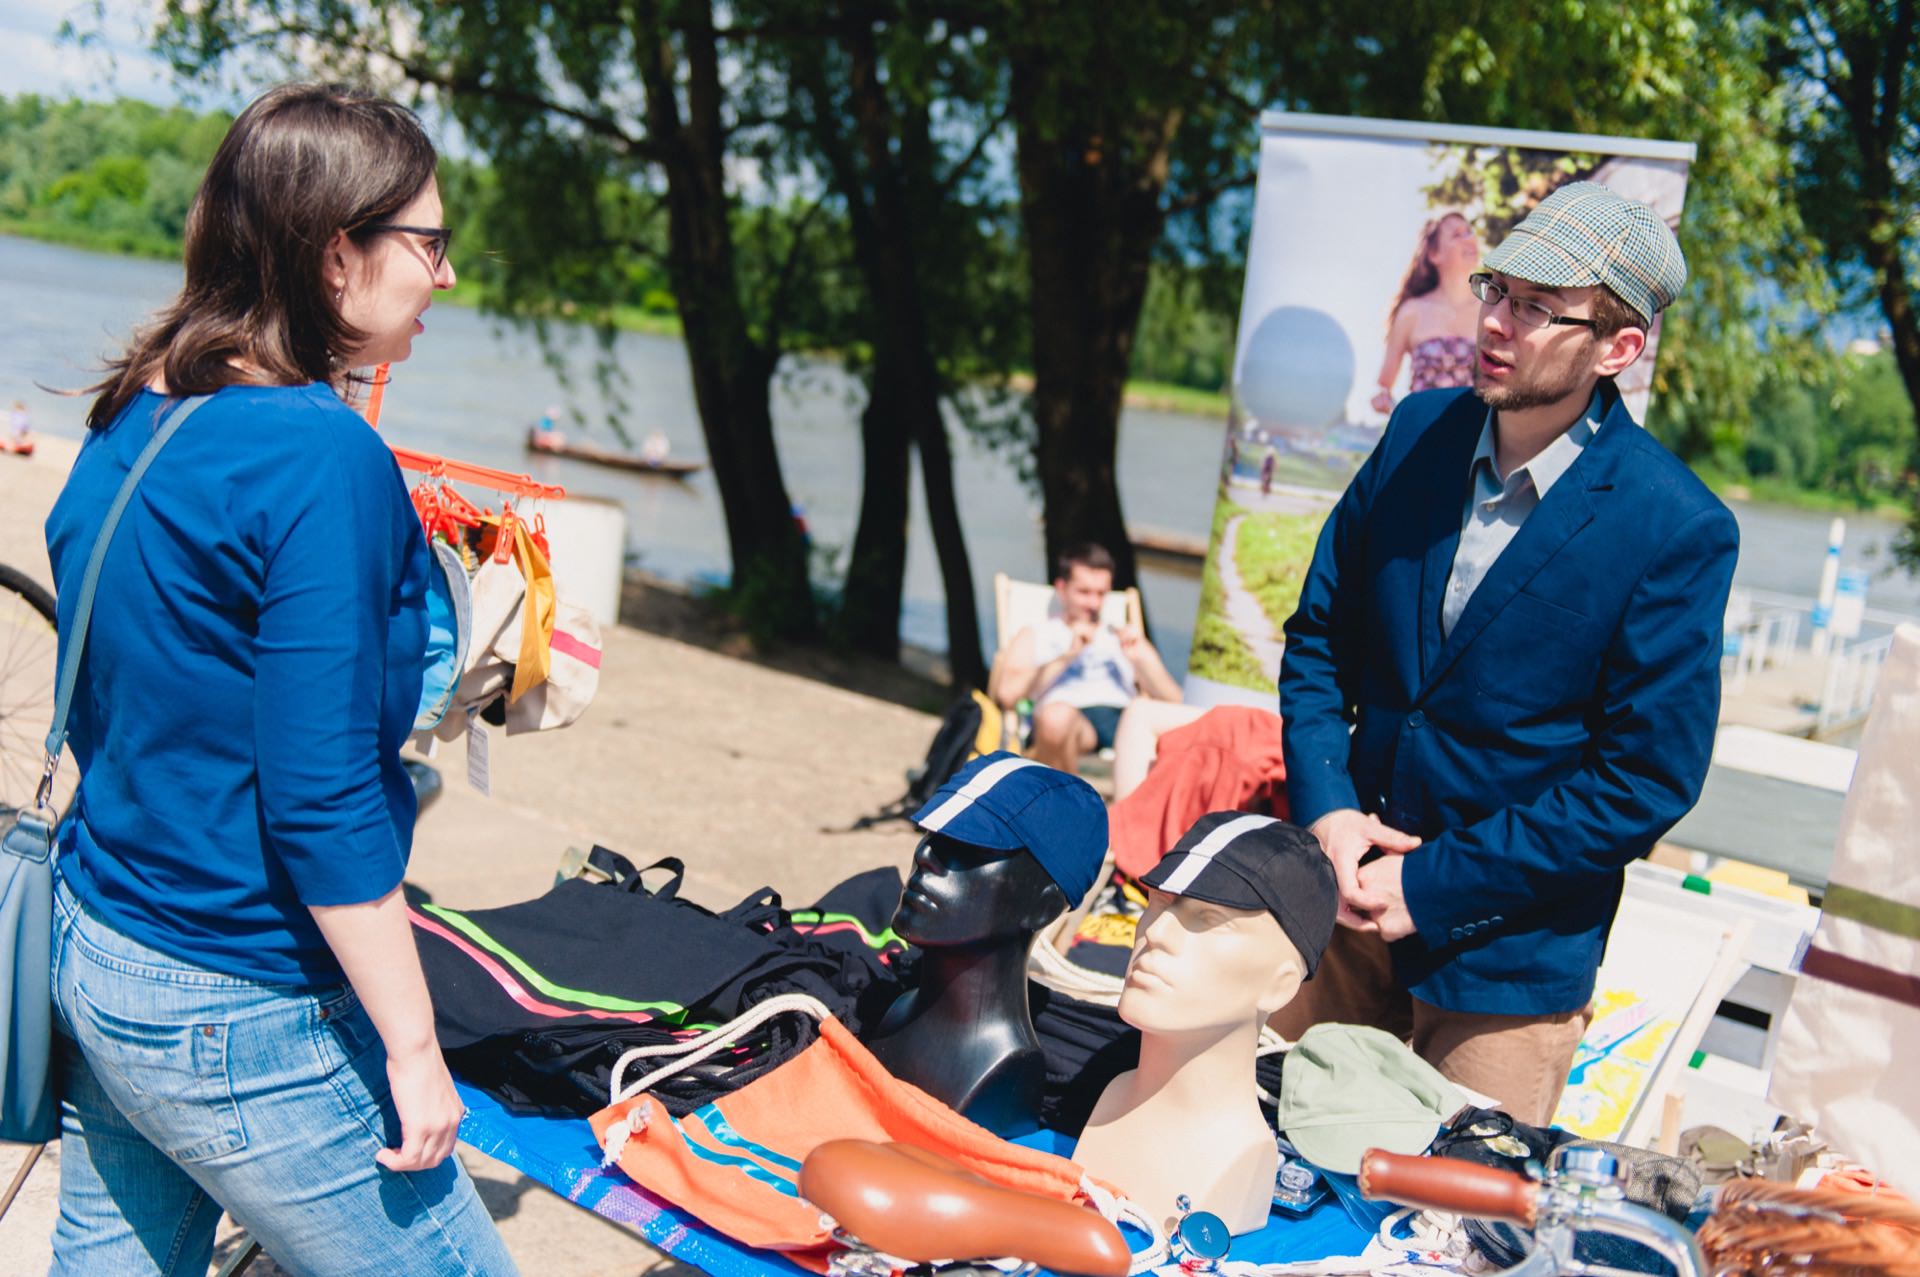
<point>1422,275</point>
<point>301,163</point>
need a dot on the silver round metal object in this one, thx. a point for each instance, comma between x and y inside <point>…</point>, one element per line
<point>1204,1235</point>
<point>1587,1163</point>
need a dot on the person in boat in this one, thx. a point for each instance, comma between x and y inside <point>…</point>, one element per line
<point>546,435</point>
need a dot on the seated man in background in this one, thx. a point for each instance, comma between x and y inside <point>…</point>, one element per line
<point>1079,672</point>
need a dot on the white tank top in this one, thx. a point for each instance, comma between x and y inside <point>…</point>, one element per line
<point>1100,675</point>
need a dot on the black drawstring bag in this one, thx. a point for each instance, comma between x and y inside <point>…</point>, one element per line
<point>632,954</point>
<point>609,936</point>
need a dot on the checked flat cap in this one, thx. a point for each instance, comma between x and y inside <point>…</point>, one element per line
<point>1584,234</point>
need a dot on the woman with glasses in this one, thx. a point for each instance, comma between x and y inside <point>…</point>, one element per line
<point>1433,315</point>
<point>243,1021</point>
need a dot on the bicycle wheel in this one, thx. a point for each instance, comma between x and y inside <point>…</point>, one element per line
<point>29,669</point>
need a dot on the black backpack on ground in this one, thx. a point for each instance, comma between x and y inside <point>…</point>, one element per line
<point>973,725</point>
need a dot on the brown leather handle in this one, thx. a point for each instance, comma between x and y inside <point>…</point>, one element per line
<point>1448,1184</point>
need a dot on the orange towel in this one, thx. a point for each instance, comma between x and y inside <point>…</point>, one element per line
<point>1228,759</point>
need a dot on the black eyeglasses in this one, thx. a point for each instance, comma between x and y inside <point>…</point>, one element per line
<point>438,238</point>
<point>1525,310</point>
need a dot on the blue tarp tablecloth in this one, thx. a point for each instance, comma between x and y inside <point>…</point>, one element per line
<point>561,1153</point>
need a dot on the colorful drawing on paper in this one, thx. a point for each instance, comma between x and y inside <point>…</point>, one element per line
<point>1611,1070</point>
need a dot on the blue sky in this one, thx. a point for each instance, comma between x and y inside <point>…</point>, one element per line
<point>34,60</point>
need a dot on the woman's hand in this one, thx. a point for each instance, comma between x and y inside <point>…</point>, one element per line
<point>1383,402</point>
<point>375,948</point>
<point>429,1108</point>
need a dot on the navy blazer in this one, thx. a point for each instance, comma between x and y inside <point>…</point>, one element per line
<point>1553,736</point>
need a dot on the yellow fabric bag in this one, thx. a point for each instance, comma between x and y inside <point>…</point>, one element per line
<point>536,629</point>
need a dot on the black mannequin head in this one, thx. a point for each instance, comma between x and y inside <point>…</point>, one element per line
<point>960,894</point>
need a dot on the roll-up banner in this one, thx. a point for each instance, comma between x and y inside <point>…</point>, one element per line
<point>1364,233</point>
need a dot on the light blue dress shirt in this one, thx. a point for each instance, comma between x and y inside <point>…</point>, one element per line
<point>1496,507</point>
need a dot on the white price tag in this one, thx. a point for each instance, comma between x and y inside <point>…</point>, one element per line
<point>477,775</point>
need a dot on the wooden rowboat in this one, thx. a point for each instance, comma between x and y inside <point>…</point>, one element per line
<point>554,444</point>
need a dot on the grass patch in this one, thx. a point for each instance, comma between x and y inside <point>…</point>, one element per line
<point>1219,652</point>
<point>1162,396</point>
<point>117,243</point>
<point>1773,492</point>
<point>1273,552</point>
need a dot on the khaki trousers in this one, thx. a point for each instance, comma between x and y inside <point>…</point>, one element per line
<point>1519,1060</point>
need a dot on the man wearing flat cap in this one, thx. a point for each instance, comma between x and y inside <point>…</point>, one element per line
<point>1502,680</point>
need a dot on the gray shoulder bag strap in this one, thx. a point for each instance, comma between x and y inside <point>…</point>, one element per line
<point>175,417</point>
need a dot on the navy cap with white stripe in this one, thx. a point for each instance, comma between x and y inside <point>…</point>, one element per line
<point>1256,862</point>
<point>1005,802</point>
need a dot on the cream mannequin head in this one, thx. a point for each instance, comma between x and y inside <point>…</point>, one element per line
<point>1239,913</point>
<point>1199,967</point>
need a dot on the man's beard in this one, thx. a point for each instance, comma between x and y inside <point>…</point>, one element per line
<point>1517,393</point>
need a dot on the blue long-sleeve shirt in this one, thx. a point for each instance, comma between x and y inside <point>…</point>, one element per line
<point>253,668</point>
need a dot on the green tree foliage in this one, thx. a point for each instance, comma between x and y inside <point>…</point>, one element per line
<point>1847,431</point>
<point>940,191</point>
<point>1186,328</point>
<point>1689,70</point>
<point>1854,119</point>
<point>109,175</point>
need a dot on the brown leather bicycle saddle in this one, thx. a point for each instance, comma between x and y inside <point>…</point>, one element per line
<point>920,1206</point>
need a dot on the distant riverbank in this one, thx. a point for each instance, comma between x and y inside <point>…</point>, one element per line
<point>1156,396</point>
<point>474,385</point>
<point>1150,396</point>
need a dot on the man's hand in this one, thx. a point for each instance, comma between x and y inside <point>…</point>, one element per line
<point>1083,632</point>
<point>1148,668</point>
<point>1381,898</point>
<point>1347,835</point>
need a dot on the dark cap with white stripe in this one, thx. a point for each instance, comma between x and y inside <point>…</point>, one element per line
<point>1256,862</point>
<point>1005,802</point>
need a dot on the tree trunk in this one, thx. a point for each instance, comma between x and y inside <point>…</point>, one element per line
<point>904,346</point>
<point>1091,187</point>
<point>1896,303</point>
<point>1880,120</point>
<point>904,407</point>
<point>731,373</point>
<point>876,573</point>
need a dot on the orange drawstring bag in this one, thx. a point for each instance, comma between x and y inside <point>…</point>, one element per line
<point>734,1163</point>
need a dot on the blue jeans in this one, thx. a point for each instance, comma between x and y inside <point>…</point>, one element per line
<point>185,1091</point>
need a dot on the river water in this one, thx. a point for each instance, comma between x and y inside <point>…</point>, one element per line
<point>474,385</point>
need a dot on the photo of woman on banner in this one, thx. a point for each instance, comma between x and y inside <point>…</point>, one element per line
<point>1316,371</point>
<point>1431,322</point>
